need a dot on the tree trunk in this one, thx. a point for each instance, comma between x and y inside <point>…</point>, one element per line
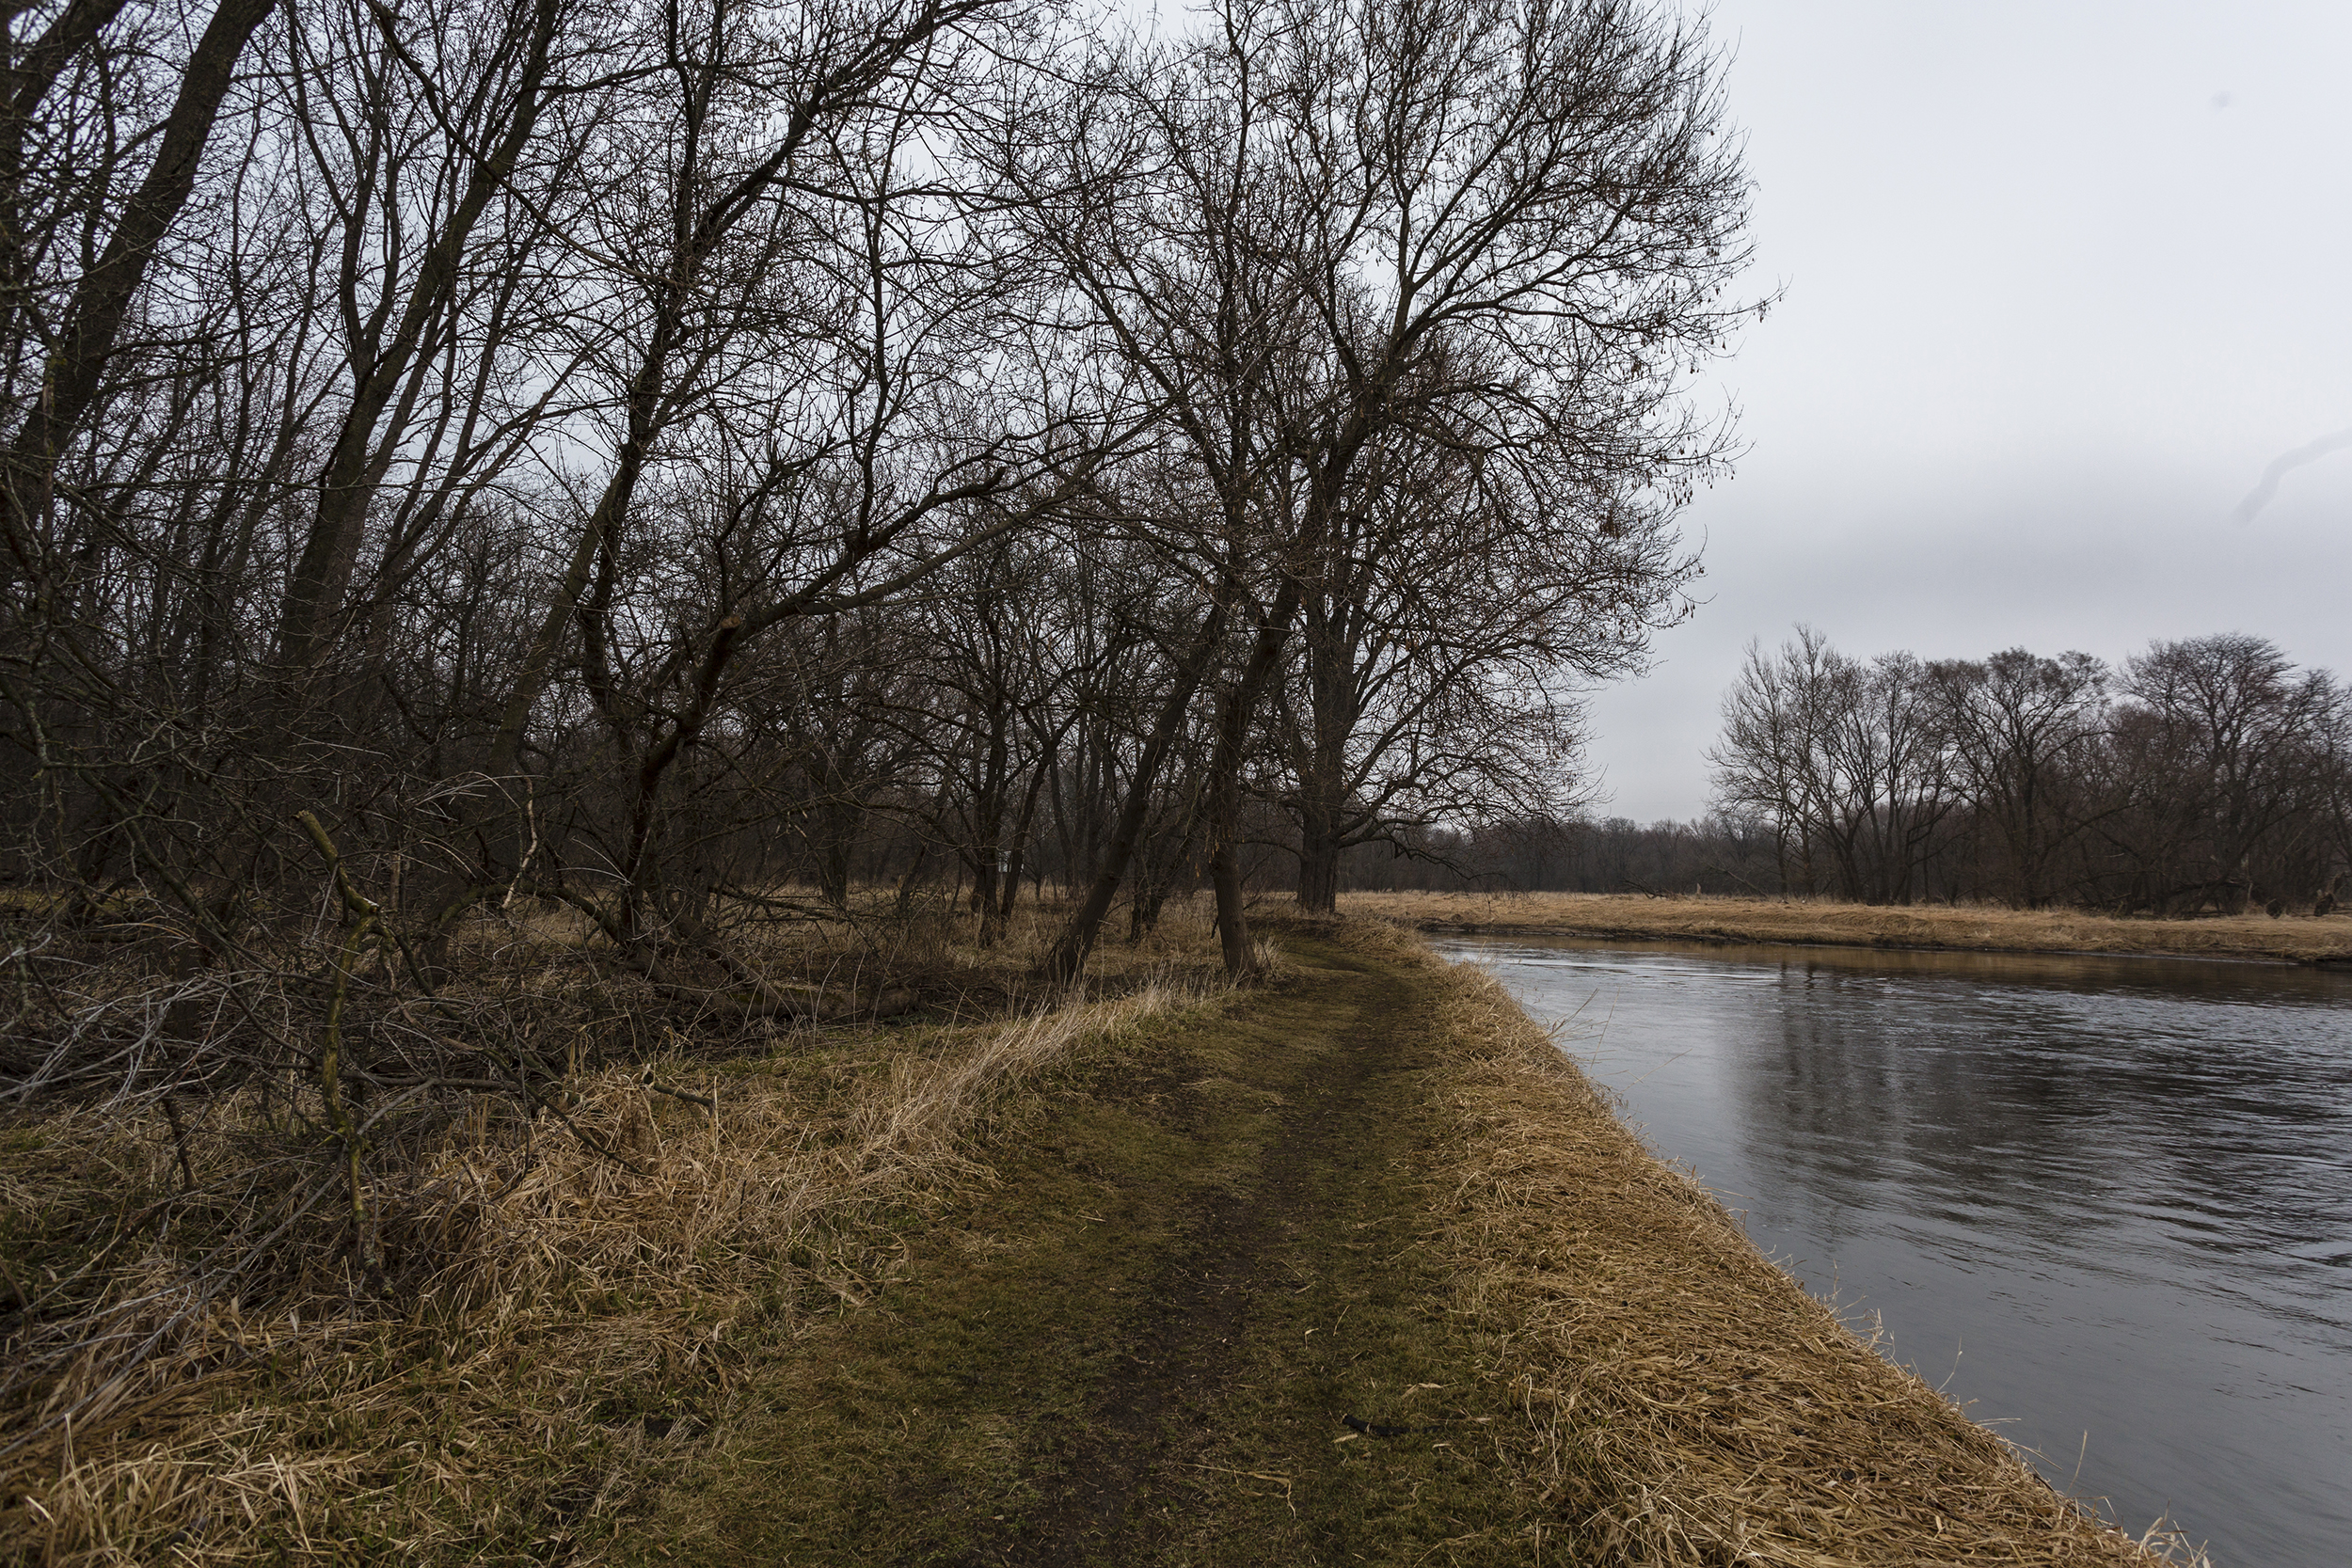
<point>1322,802</point>
<point>1235,710</point>
<point>94,319</point>
<point>1233,920</point>
<point>330,549</point>
<point>840,821</point>
<point>1067,959</point>
<point>984,895</point>
<point>1318,860</point>
<point>907,884</point>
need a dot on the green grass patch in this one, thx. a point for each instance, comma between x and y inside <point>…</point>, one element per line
<point>1144,1342</point>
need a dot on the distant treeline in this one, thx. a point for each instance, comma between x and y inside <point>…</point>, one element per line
<point>1715,854</point>
<point>2206,774</point>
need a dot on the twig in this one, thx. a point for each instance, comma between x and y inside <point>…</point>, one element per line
<point>512,1067</point>
<point>680,1094</point>
<point>363,916</point>
<point>1720,871</point>
<point>179,1140</point>
<point>530,815</point>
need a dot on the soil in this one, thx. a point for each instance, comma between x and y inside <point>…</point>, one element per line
<point>1188,1321</point>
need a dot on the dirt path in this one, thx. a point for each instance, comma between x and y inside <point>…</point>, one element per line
<point>1188,1325</point>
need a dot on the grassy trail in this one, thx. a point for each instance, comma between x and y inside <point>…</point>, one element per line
<point>1145,1342</point>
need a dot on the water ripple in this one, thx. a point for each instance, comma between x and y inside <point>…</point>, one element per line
<point>2110,1196</point>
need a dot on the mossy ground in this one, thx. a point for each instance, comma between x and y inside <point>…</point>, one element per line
<point>1144,1340</point>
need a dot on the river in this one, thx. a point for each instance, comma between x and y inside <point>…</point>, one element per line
<point>2106,1203</point>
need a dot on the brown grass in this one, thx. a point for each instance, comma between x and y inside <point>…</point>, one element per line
<point>585,1316</point>
<point>1684,1402</point>
<point>1688,1402</point>
<point>1966,927</point>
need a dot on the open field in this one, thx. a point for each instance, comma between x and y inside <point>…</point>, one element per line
<point>2294,938</point>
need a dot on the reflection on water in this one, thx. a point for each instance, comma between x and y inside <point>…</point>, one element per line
<point>2105,1202</point>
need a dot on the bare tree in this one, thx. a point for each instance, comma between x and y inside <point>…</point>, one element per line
<point>1500,230</point>
<point>77,340</point>
<point>2024,732</point>
<point>1465,604</point>
<point>417,127</point>
<point>2224,732</point>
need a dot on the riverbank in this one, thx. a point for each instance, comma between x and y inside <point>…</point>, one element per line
<point>1967,929</point>
<point>1353,1266</point>
<point>1361,1269</point>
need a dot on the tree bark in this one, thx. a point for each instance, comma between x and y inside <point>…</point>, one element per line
<point>1318,857</point>
<point>1322,769</point>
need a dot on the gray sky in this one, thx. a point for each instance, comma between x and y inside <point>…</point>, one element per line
<point>2063,280</point>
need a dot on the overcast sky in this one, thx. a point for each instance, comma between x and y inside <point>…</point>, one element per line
<point>2063,282</point>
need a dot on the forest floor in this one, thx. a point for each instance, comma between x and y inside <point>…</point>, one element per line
<point>1967,928</point>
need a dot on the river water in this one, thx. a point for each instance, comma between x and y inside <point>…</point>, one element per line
<point>2106,1203</point>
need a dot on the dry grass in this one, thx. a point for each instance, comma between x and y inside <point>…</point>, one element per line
<point>1689,1404</point>
<point>584,1314</point>
<point>1982,929</point>
<point>1685,1402</point>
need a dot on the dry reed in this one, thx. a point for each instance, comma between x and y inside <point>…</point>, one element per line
<point>1686,1401</point>
<point>1968,927</point>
